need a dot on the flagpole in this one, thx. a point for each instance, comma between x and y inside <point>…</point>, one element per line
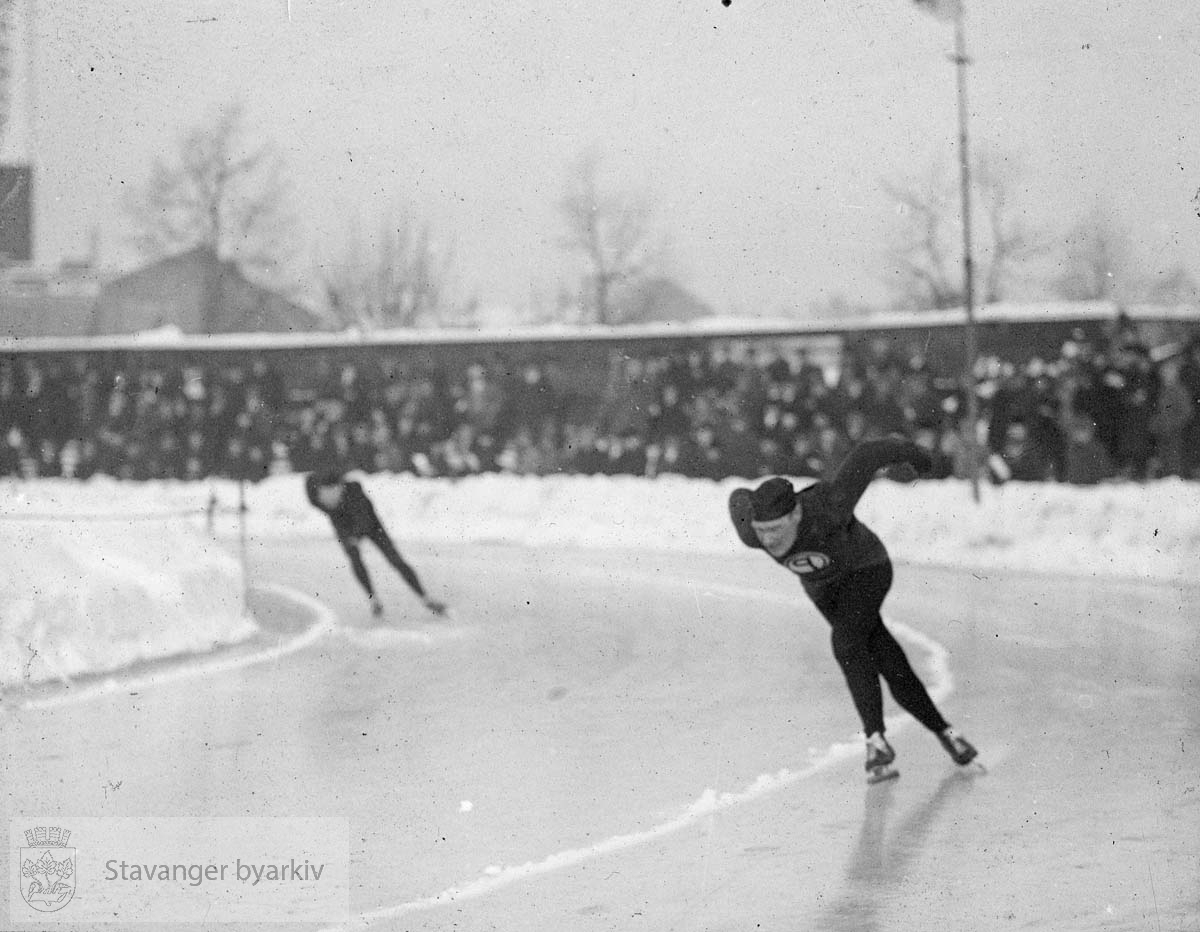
<point>964,161</point>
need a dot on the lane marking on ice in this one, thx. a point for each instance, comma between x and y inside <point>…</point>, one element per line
<point>941,679</point>
<point>710,801</point>
<point>325,623</point>
<point>381,635</point>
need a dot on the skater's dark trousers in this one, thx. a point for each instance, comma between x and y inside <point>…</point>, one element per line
<point>866,650</point>
<point>379,537</point>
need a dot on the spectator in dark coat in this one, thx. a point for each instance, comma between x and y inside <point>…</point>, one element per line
<point>1088,461</point>
<point>1172,413</point>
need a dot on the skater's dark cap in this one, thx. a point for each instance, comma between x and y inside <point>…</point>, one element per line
<point>772,500</point>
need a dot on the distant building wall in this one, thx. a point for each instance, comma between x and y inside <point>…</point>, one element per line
<point>16,213</point>
<point>166,293</point>
<point>197,293</point>
<point>54,303</point>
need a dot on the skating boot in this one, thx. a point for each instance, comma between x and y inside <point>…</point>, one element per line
<point>879,759</point>
<point>958,747</point>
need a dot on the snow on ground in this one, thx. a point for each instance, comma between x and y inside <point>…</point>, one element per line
<point>1126,530</point>
<point>102,573</point>
<point>87,588</point>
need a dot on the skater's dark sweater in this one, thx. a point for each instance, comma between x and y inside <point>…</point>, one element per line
<point>830,540</point>
<point>354,515</point>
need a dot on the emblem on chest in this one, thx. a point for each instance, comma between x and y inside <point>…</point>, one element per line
<point>807,561</point>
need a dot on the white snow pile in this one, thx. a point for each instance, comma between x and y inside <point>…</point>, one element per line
<point>84,589</point>
<point>1149,531</point>
<point>100,574</point>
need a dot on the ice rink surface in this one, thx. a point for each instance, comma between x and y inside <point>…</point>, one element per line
<point>616,741</point>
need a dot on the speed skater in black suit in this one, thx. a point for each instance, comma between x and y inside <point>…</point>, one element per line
<point>846,572</point>
<point>353,517</point>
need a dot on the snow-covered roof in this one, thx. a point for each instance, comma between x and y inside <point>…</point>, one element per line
<point>706,327</point>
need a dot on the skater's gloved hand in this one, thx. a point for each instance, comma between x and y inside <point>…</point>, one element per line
<point>438,608</point>
<point>924,461</point>
<point>920,463</point>
<point>902,472</point>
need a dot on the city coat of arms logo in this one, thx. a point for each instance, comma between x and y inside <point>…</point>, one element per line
<point>47,868</point>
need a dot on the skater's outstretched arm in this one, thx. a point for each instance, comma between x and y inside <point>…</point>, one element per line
<point>856,473</point>
<point>741,512</point>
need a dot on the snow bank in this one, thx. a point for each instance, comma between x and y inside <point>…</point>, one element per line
<point>93,593</point>
<point>89,586</point>
<point>1149,531</point>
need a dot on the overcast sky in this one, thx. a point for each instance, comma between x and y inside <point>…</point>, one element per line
<point>761,131</point>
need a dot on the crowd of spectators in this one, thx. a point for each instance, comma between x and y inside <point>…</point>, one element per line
<point>1095,412</point>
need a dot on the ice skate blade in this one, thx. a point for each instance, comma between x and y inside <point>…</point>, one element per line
<point>882,774</point>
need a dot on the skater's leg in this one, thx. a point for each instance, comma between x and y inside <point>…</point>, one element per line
<point>906,687</point>
<point>910,693</point>
<point>350,545</point>
<point>851,650</point>
<point>853,613</point>
<point>379,537</point>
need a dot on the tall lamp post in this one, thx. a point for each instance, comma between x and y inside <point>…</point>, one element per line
<point>964,162</point>
<point>952,11</point>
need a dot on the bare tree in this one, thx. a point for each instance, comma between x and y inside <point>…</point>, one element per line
<point>920,246</point>
<point>1009,241</point>
<point>611,231</point>
<point>1173,285</point>
<point>835,306</point>
<point>924,240</point>
<point>1095,263</point>
<point>400,277</point>
<point>220,192</point>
